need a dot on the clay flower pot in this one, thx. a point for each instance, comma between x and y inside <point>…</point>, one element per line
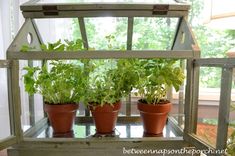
<point>105,117</point>
<point>154,117</point>
<point>61,117</point>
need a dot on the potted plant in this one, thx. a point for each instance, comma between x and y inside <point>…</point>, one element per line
<point>155,77</point>
<point>110,81</point>
<point>61,84</point>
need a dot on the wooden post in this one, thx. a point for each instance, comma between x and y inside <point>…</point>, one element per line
<point>188,99</point>
<point>14,100</point>
<point>31,103</point>
<point>224,107</point>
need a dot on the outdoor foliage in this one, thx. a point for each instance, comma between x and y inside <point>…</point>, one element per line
<point>150,33</point>
<point>213,44</point>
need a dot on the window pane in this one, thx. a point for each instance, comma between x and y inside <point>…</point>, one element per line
<point>121,131</point>
<point>81,110</point>
<point>4,108</point>
<point>106,32</point>
<point>51,30</point>
<point>178,103</point>
<point>178,100</point>
<point>136,131</point>
<point>153,33</point>
<point>208,106</point>
<point>124,103</point>
<point>38,107</point>
<point>25,114</point>
<point>134,101</point>
<point>31,107</point>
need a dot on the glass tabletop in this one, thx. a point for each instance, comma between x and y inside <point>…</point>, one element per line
<point>134,130</point>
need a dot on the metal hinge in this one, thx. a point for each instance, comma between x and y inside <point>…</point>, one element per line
<point>50,10</point>
<point>160,9</point>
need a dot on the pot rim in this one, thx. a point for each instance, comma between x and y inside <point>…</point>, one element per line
<point>153,108</point>
<point>163,102</point>
<point>56,104</point>
<point>106,107</point>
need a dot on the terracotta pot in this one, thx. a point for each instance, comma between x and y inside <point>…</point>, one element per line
<point>154,117</point>
<point>61,117</point>
<point>105,117</point>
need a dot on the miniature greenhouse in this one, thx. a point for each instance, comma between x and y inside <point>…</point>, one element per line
<point>101,38</point>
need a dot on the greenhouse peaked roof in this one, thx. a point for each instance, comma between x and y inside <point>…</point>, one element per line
<point>122,8</point>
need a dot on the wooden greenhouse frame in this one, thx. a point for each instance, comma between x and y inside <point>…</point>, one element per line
<point>184,47</point>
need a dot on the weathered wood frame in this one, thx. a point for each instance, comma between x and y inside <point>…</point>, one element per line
<point>32,9</point>
<point>184,47</point>
<point>13,103</point>
<point>227,66</point>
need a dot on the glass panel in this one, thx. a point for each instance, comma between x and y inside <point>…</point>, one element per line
<point>25,113</point>
<point>154,33</point>
<point>178,103</point>
<point>38,107</point>
<point>2,48</point>
<point>4,108</point>
<point>118,1</point>
<point>105,33</point>
<point>208,106</point>
<point>51,30</point>
<point>178,100</point>
<point>122,111</point>
<point>80,131</point>
<point>31,107</point>
<point>134,110</point>
<point>81,110</point>
<point>136,131</point>
<point>121,130</point>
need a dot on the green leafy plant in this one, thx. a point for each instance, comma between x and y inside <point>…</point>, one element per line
<point>58,46</point>
<point>62,84</point>
<point>155,78</point>
<point>59,82</point>
<point>110,81</point>
<point>26,48</point>
<point>66,46</point>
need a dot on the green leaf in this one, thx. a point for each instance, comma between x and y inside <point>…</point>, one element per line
<point>26,48</point>
<point>43,47</point>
